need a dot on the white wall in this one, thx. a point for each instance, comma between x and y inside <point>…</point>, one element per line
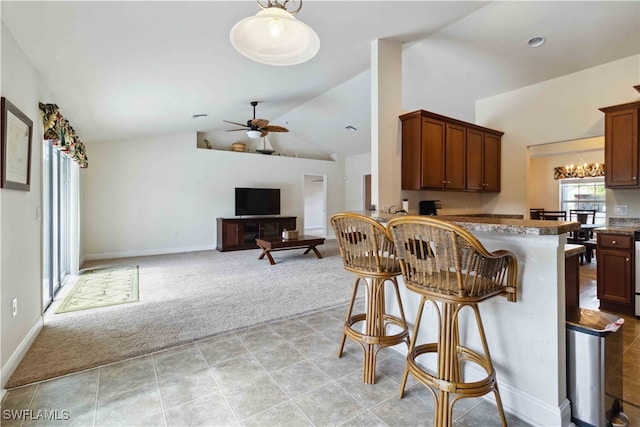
<point>20,238</point>
<point>561,109</point>
<point>355,169</point>
<point>162,194</point>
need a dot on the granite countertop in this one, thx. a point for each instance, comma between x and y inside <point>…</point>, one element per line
<point>573,250</point>
<point>627,231</point>
<point>503,224</point>
<point>624,226</point>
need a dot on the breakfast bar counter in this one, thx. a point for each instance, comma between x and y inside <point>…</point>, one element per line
<point>527,339</point>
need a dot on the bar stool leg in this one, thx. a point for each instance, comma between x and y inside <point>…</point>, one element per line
<point>487,356</point>
<point>349,311</point>
<point>412,344</point>
<point>371,327</point>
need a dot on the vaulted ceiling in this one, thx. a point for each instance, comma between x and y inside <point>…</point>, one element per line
<point>125,69</point>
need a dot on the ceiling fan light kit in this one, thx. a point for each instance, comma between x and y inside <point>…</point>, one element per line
<point>253,134</point>
<point>275,37</point>
<point>256,128</point>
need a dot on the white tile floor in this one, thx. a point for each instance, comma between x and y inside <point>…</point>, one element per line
<point>283,374</point>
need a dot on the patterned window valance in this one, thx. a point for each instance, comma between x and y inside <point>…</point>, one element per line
<point>580,170</point>
<point>61,135</point>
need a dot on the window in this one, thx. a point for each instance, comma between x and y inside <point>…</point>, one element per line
<point>584,193</point>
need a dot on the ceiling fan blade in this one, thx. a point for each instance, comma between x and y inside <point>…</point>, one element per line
<point>234,123</point>
<point>260,123</point>
<point>263,133</point>
<point>276,129</point>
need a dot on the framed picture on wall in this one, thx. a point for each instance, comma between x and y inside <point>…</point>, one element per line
<point>16,148</point>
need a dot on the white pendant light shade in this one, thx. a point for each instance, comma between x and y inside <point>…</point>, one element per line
<point>275,37</point>
<point>253,134</point>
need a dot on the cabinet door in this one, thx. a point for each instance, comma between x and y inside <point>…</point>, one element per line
<point>614,276</point>
<point>249,231</point>
<point>475,161</point>
<point>432,156</point>
<point>491,163</point>
<point>411,149</point>
<point>621,148</point>
<point>231,234</point>
<point>455,157</point>
<point>287,223</point>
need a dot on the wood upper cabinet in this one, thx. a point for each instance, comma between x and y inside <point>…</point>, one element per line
<point>441,153</point>
<point>621,146</point>
<point>616,272</point>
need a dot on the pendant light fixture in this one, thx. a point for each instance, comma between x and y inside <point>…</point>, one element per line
<point>274,36</point>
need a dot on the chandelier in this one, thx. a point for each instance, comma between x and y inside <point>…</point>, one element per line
<point>274,36</point>
<point>579,170</point>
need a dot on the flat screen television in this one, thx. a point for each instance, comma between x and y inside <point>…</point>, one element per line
<point>257,201</point>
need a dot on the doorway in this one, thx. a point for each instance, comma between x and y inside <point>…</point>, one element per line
<point>366,192</point>
<point>314,193</point>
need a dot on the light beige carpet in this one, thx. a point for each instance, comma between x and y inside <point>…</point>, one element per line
<point>102,287</point>
<point>185,297</point>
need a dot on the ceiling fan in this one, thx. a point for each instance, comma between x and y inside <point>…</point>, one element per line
<point>256,128</point>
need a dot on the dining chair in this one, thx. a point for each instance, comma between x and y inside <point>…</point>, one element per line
<point>553,215</point>
<point>583,216</point>
<point>534,213</point>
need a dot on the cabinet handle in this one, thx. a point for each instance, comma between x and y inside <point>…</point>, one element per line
<point>613,242</point>
<point>627,259</point>
<point>444,182</point>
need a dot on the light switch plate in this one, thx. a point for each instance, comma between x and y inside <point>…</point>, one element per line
<point>622,210</point>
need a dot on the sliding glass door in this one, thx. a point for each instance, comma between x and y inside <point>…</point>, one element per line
<point>55,221</point>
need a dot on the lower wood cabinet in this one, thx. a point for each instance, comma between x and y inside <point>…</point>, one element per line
<point>616,272</point>
<point>235,234</point>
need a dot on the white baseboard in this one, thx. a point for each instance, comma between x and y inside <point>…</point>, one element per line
<point>126,254</point>
<point>9,368</point>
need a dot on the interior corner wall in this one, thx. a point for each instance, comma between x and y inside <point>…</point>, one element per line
<point>356,167</point>
<point>162,194</point>
<point>21,224</point>
<point>560,109</point>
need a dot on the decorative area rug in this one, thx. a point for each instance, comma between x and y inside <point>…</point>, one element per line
<point>102,287</point>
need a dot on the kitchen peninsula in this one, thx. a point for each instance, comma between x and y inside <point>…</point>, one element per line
<point>527,339</point>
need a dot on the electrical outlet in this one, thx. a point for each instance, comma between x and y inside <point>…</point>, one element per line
<point>622,210</point>
<point>174,234</point>
<point>14,307</point>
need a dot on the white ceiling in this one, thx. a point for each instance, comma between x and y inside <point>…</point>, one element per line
<point>124,69</point>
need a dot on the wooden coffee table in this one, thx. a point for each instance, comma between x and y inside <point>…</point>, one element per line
<point>271,244</point>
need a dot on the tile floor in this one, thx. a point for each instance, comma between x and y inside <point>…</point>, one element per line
<point>282,374</point>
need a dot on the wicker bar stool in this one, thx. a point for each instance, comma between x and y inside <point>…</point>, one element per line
<point>368,251</point>
<point>449,267</point>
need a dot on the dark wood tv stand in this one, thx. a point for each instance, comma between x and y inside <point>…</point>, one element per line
<point>234,234</point>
